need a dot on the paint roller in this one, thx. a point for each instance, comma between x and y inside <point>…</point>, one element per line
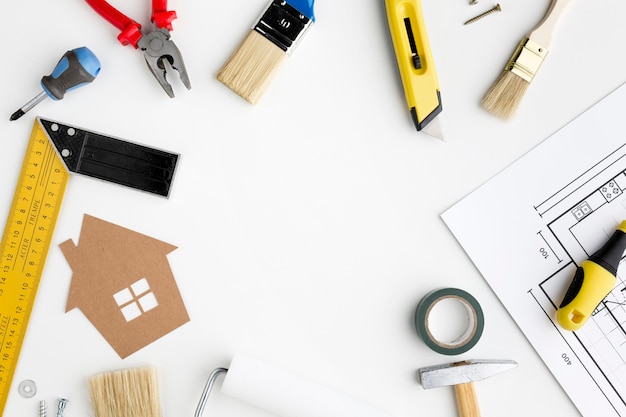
<point>282,393</point>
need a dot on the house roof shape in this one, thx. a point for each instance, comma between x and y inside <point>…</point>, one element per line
<point>110,259</point>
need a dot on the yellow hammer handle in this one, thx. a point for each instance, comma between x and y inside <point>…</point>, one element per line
<point>466,400</point>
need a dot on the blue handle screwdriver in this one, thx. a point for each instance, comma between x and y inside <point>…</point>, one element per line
<point>76,68</point>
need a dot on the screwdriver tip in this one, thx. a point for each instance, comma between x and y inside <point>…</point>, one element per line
<point>17,115</point>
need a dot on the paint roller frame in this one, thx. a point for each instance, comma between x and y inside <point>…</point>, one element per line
<point>207,390</point>
<point>282,393</point>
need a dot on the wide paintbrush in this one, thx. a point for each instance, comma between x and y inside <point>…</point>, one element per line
<point>505,95</point>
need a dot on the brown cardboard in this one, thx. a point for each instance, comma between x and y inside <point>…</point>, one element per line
<point>123,284</point>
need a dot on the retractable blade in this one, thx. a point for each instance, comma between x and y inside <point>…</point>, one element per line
<point>415,63</point>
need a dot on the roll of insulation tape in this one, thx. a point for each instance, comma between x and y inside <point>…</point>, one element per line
<point>467,339</point>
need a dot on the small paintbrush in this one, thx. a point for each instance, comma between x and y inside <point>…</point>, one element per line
<point>507,92</point>
<point>126,393</point>
<point>253,65</point>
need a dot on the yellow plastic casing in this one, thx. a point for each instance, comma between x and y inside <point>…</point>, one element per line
<point>622,226</point>
<point>25,242</point>
<point>421,86</point>
<point>597,283</point>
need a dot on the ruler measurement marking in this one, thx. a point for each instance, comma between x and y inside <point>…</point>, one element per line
<point>34,211</point>
<point>24,246</point>
<point>28,196</point>
<point>4,327</point>
<point>25,240</point>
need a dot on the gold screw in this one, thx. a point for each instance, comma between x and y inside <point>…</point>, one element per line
<point>497,8</point>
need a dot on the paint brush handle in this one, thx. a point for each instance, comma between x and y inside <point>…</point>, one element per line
<point>466,400</point>
<point>542,33</point>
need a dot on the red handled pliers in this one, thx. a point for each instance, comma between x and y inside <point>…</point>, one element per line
<point>156,45</point>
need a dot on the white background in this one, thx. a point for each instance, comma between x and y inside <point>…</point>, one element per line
<point>307,226</point>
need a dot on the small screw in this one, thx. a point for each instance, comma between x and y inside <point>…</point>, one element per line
<point>42,408</point>
<point>497,8</point>
<point>61,406</point>
<point>472,2</point>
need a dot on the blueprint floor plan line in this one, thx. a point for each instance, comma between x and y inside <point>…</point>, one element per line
<point>561,201</point>
<point>546,205</point>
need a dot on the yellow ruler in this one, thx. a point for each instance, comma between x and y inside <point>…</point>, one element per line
<point>24,247</point>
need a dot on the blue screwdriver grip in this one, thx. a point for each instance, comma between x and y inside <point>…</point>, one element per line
<point>75,69</point>
<point>304,6</point>
<point>88,60</point>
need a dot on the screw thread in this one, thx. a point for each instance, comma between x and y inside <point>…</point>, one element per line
<point>497,8</point>
<point>61,406</point>
<point>42,408</point>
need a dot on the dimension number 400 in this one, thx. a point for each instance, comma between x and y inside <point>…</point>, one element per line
<point>566,359</point>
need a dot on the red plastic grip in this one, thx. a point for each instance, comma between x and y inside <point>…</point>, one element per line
<point>130,30</point>
<point>162,17</point>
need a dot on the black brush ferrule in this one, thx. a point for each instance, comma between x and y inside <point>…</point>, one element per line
<point>283,25</point>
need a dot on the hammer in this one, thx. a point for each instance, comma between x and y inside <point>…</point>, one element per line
<point>462,375</point>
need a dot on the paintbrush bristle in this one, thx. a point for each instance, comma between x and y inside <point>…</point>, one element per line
<point>505,95</point>
<point>251,68</point>
<point>126,393</point>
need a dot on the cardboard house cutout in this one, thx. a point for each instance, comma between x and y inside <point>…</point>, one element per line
<point>123,284</point>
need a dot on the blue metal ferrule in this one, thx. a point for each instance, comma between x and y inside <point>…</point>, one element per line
<point>304,6</point>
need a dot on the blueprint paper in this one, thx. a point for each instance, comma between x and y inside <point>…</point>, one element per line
<point>528,228</point>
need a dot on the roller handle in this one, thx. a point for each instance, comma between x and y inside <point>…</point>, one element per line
<point>466,400</point>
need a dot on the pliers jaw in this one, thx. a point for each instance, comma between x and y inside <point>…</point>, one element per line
<point>158,48</point>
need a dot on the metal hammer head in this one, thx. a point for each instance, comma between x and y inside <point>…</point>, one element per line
<point>462,372</point>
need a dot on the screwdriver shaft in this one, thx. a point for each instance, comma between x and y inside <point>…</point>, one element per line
<point>26,107</point>
<point>76,68</point>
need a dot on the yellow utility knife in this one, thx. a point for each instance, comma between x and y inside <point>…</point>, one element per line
<point>415,63</point>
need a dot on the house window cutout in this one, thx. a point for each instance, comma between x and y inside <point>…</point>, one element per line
<point>136,299</point>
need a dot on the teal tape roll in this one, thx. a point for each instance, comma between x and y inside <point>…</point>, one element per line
<point>476,321</point>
